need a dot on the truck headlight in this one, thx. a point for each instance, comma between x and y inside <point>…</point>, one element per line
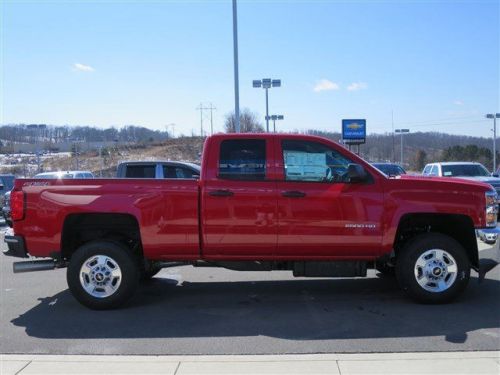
<point>491,208</point>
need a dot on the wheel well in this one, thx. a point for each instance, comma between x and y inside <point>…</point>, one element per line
<point>79,229</point>
<point>459,227</point>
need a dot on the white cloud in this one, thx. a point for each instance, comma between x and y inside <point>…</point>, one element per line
<point>325,85</point>
<point>458,102</point>
<point>82,67</point>
<point>355,86</point>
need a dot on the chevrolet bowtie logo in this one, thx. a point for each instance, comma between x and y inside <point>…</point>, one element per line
<point>354,126</point>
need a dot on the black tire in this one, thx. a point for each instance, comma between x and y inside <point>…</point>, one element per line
<point>149,271</point>
<point>385,270</point>
<point>119,255</point>
<point>406,267</point>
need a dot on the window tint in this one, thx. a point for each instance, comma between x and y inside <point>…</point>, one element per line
<point>312,161</point>
<point>141,171</point>
<point>469,170</point>
<point>176,172</point>
<point>243,159</point>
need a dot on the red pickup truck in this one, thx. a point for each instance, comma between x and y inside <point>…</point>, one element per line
<point>263,202</point>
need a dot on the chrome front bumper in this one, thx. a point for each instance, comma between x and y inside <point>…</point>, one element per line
<point>488,246</point>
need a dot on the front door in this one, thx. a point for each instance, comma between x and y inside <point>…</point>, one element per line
<point>321,213</point>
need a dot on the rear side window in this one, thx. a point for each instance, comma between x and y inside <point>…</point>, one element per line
<point>427,169</point>
<point>141,171</point>
<point>243,159</point>
<point>176,172</point>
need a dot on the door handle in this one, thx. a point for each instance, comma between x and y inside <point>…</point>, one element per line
<point>221,193</point>
<point>293,194</point>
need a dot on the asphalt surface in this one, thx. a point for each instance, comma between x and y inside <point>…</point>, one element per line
<point>214,311</point>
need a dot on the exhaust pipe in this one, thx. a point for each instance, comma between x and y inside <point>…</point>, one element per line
<point>34,265</point>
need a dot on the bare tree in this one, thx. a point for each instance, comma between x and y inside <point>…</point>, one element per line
<point>248,122</point>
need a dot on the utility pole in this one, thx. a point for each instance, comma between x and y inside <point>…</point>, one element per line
<point>393,159</point>
<point>211,109</point>
<point>102,160</point>
<point>173,130</point>
<point>494,117</point>
<point>200,108</point>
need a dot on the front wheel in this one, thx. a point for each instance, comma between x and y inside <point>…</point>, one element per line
<point>102,275</point>
<point>433,268</point>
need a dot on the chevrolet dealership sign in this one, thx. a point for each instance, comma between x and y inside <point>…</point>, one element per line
<point>354,131</point>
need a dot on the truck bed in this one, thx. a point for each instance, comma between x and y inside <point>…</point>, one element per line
<point>166,212</point>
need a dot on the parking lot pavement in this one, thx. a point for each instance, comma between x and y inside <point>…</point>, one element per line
<point>211,311</point>
<point>415,363</point>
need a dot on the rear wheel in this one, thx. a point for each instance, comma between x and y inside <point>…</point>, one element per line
<point>149,271</point>
<point>433,268</point>
<point>102,275</point>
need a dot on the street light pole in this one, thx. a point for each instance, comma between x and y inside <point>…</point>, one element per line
<point>494,117</point>
<point>267,110</point>
<point>274,118</point>
<point>236,75</point>
<point>402,131</point>
<point>267,83</point>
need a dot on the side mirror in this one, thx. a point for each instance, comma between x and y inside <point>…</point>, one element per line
<point>356,173</point>
<point>495,174</point>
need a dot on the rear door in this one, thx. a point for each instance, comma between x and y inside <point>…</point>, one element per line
<point>239,203</point>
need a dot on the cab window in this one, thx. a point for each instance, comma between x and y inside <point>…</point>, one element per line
<point>176,172</point>
<point>243,159</point>
<point>313,162</point>
<point>141,171</point>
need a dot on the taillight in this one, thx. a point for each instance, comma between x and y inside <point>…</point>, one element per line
<point>17,205</point>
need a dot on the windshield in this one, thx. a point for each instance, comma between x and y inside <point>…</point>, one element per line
<point>390,169</point>
<point>469,170</point>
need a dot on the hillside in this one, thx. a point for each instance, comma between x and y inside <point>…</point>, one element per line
<point>185,149</point>
<point>379,147</point>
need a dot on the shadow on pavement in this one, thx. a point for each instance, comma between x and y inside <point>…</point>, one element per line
<point>295,310</point>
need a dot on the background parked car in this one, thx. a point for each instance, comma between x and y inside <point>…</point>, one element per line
<point>463,169</point>
<point>157,169</point>
<point>390,169</point>
<point>6,209</point>
<point>65,174</point>
<point>6,185</point>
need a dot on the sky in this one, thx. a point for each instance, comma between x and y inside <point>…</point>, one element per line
<point>429,65</point>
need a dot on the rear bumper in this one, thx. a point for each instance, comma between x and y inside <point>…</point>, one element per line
<point>488,249</point>
<point>15,247</point>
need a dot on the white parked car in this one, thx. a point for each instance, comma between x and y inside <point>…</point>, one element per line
<point>486,237</point>
<point>462,169</point>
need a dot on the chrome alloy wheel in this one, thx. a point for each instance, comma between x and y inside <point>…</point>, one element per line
<point>100,276</point>
<point>436,270</point>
